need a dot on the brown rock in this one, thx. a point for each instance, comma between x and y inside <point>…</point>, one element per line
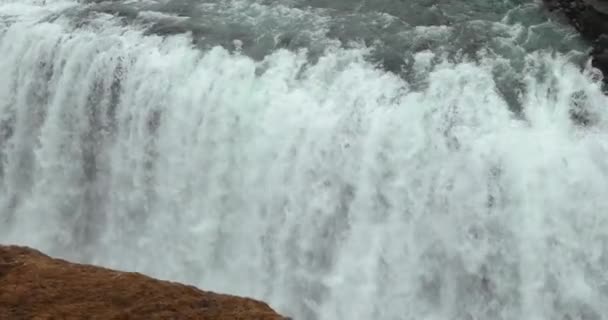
<point>35,286</point>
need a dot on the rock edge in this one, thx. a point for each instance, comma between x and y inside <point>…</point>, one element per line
<point>36,286</point>
<point>590,19</point>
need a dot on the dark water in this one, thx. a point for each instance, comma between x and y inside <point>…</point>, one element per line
<point>394,31</point>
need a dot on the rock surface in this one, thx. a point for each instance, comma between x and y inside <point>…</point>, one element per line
<point>35,286</point>
<point>590,18</point>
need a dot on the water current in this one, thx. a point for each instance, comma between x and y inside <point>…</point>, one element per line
<point>385,159</point>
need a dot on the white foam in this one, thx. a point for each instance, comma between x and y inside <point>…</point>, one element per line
<point>333,191</point>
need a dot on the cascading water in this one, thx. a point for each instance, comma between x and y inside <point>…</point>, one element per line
<point>364,160</point>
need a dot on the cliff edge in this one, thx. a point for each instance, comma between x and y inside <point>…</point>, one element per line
<point>36,286</point>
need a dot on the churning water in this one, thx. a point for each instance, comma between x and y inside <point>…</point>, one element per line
<point>373,159</point>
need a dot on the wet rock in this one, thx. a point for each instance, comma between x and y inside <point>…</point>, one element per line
<point>590,18</point>
<point>35,286</point>
<point>600,61</point>
<point>599,5</point>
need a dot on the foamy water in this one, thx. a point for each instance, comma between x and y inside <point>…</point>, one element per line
<point>327,186</point>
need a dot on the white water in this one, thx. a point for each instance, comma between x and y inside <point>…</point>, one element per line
<point>331,192</point>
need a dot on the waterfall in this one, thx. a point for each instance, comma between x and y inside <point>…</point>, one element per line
<point>330,187</point>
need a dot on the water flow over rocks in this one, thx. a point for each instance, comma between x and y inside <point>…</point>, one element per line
<point>470,185</point>
<point>590,18</point>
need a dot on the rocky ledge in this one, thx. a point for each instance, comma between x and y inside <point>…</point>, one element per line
<point>36,286</point>
<point>590,18</point>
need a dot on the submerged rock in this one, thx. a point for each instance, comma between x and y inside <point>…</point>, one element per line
<point>590,18</point>
<point>36,286</point>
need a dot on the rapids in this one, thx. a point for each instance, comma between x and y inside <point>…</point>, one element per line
<point>340,160</point>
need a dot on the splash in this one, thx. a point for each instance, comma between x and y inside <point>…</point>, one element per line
<point>332,189</point>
